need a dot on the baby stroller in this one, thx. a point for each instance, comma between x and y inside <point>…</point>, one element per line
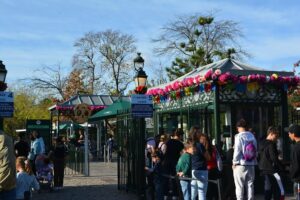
<point>44,173</point>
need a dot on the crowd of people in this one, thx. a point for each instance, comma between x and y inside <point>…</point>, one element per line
<point>25,167</point>
<point>192,170</point>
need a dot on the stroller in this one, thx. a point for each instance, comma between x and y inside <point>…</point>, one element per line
<point>44,173</point>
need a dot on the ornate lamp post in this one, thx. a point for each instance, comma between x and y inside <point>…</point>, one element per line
<point>140,78</point>
<point>3,85</point>
<point>139,123</point>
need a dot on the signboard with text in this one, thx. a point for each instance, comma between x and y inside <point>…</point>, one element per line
<point>141,106</point>
<point>6,104</point>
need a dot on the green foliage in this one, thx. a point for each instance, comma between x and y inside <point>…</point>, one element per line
<point>26,107</point>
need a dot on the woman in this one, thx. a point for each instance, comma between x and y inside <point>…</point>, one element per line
<point>199,168</point>
<point>59,155</point>
<point>212,167</point>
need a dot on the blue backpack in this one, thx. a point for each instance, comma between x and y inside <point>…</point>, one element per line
<point>249,153</point>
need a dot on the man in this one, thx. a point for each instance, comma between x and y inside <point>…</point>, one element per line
<point>244,161</point>
<point>174,146</point>
<point>270,165</point>
<point>40,140</point>
<point>21,147</point>
<point>35,150</point>
<point>7,168</point>
<point>294,135</point>
<point>110,146</point>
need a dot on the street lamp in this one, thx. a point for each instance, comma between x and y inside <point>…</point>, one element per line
<point>139,125</point>
<point>3,72</point>
<point>141,76</point>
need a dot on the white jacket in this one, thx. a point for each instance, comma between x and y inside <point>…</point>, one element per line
<point>240,141</point>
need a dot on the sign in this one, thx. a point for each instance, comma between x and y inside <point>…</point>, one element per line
<point>141,106</point>
<point>82,113</point>
<point>6,104</point>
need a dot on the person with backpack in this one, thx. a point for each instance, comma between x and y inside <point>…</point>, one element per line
<point>270,166</point>
<point>244,161</point>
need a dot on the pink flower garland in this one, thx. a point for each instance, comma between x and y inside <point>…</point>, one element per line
<point>224,79</point>
<point>64,108</point>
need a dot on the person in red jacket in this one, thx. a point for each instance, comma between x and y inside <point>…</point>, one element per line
<point>212,167</point>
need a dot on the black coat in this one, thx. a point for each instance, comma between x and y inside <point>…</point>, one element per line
<point>268,158</point>
<point>295,163</point>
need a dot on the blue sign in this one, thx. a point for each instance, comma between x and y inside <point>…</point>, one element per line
<point>141,106</point>
<point>142,110</point>
<point>6,104</point>
<point>6,109</point>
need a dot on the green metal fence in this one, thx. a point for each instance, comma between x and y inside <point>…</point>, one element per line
<point>131,153</point>
<point>75,161</point>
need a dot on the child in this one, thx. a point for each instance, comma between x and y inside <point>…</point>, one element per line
<point>45,170</point>
<point>184,169</point>
<point>294,135</point>
<point>26,181</point>
<point>270,166</point>
<point>157,178</point>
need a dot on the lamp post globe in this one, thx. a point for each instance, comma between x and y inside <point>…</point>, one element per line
<point>141,76</point>
<point>3,71</point>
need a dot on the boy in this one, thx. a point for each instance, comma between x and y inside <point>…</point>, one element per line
<point>294,135</point>
<point>270,165</point>
<point>244,161</point>
<point>184,169</point>
<point>156,171</point>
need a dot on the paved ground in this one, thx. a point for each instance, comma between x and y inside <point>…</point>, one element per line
<point>102,184</point>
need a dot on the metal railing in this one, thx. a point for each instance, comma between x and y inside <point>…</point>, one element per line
<point>177,178</point>
<point>75,161</point>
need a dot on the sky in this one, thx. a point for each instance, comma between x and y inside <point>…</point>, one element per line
<point>35,33</point>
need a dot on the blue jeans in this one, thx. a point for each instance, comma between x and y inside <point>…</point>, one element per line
<point>186,189</point>
<point>200,184</point>
<point>8,195</point>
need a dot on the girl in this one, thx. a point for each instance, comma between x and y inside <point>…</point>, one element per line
<point>26,181</point>
<point>199,168</point>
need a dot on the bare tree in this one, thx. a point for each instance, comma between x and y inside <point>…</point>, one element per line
<point>116,50</point>
<point>87,58</point>
<point>196,41</point>
<point>50,80</point>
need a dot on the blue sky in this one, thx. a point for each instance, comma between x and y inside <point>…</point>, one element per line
<point>36,33</point>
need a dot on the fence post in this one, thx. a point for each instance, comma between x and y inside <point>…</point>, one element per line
<point>86,152</point>
<point>104,153</point>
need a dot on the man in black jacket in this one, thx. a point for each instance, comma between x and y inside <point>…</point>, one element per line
<point>294,134</point>
<point>270,165</point>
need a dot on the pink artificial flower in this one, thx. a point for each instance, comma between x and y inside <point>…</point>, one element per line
<point>208,74</point>
<point>223,78</point>
<point>175,85</point>
<point>218,72</point>
<point>252,78</point>
<point>197,79</point>
<point>190,81</point>
<point>243,79</point>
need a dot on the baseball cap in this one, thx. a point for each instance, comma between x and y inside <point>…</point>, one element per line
<point>294,128</point>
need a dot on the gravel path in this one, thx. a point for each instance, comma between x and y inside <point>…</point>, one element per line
<point>102,184</point>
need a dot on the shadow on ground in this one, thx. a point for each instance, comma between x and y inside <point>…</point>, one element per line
<point>91,192</point>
